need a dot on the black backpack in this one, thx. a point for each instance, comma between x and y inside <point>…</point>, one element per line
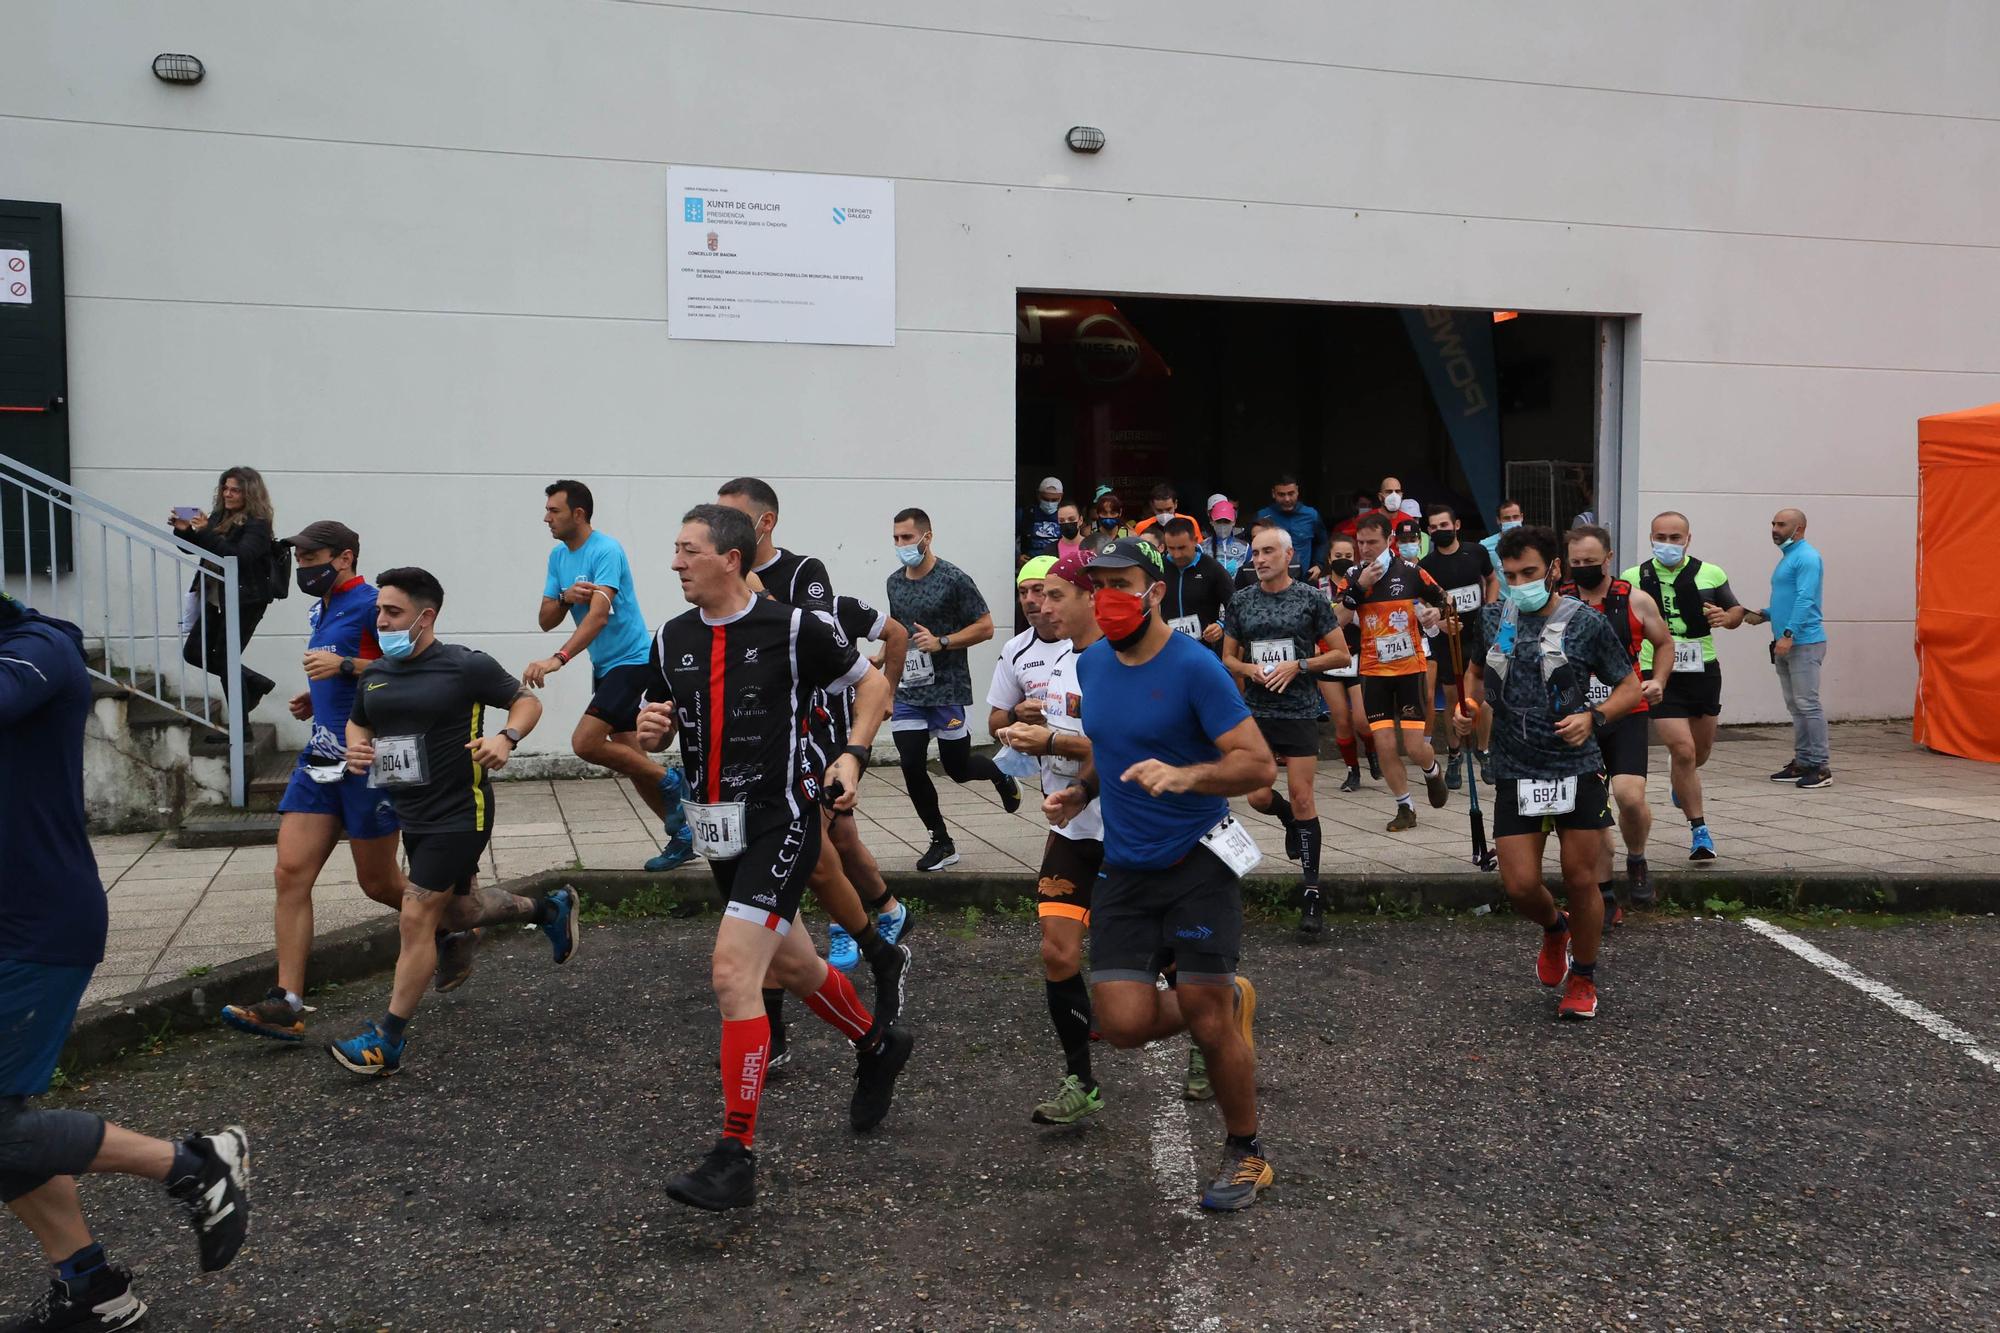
<point>278,572</point>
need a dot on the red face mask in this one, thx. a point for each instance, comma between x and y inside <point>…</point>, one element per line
<point>1120,613</point>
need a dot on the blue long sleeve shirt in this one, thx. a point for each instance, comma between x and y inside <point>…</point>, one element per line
<point>52,908</point>
<point>1308,530</point>
<point>1797,590</point>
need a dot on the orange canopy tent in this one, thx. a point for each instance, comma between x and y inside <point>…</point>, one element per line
<point>1958,625</point>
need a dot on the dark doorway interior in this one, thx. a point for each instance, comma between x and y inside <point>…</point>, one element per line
<point>1222,396</point>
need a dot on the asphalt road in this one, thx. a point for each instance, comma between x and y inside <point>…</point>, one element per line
<point>1740,1141</point>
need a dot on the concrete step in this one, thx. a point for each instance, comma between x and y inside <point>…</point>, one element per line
<point>228,828</point>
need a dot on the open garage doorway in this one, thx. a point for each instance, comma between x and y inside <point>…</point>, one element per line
<point>1465,407</point>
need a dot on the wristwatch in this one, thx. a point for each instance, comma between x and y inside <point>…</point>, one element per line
<point>944,643</point>
<point>513,736</point>
<point>860,753</point>
<point>1596,720</point>
<point>347,668</point>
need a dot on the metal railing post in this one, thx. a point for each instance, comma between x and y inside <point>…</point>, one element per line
<point>232,690</point>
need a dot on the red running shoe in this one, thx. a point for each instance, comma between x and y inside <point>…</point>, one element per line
<point>1579,1001</point>
<point>1552,963</point>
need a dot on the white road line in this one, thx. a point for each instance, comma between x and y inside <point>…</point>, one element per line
<point>1175,1173</point>
<point>1929,1020</point>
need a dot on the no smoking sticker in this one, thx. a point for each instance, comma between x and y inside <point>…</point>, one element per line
<point>19,288</point>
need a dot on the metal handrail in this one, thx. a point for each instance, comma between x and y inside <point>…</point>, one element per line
<point>91,567</point>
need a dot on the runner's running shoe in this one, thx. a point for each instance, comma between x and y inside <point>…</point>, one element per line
<point>1374,767</point>
<point>1452,777</point>
<point>272,1016</point>
<point>1352,782</point>
<point>216,1196</point>
<point>1485,767</point>
<point>841,950</point>
<point>561,928</point>
<point>99,1300</point>
<point>941,854</point>
<point>1639,884</point>
<point>1196,1087</point>
<point>678,851</point>
<point>456,955</point>
<point>1237,1182</point>
<point>1552,963</point>
<point>1010,793</point>
<point>1312,915</point>
<point>1614,915</point>
<point>1434,786</point>
<point>725,1178</point>
<point>1294,849</point>
<point>1579,1001</point>
<point>780,1053</point>
<point>1791,772</point>
<point>1702,845</point>
<point>875,1079</point>
<point>1071,1103</point>
<point>896,925</point>
<point>369,1052</point>
<point>1406,818</point>
<point>892,985</point>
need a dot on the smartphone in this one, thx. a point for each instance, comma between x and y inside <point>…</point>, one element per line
<point>186,513</point>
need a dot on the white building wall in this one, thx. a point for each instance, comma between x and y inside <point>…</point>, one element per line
<point>409,260</point>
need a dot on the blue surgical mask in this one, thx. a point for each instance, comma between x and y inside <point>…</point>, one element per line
<point>1669,554</point>
<point>397,643</point>
<point>1050,506</point>
<point>1410,550</point>
<point>1382,560</point>
<point>1508,525</point>
<point>911,555</point>
<point>1527,597</point>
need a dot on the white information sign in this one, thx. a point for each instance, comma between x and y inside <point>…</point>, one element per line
<point>780,256</point>
<point>17,278</point>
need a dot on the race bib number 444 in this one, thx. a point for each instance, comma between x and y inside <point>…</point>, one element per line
<point>1268,653</point>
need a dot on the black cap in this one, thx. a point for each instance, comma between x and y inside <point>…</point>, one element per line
<point>326,534</point>
<point>1131,553</point>
<point>1409,527</point>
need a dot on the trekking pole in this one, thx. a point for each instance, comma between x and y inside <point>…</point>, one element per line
<point>1482,856</point>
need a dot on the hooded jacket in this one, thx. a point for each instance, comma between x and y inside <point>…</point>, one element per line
<point>52,908</point>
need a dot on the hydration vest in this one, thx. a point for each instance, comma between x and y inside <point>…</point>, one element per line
<point>1557,673</point>
<point>1617,609</point>
<point>1687,598</point>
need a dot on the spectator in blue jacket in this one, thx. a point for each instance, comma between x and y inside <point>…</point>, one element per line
<point>52,927</point>
<point>1798,647</point>
<point>1302,521</point>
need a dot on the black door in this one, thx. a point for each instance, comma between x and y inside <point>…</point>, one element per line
<point>34,380</point>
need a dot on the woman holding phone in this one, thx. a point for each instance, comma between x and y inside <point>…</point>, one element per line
<point>239,524</point>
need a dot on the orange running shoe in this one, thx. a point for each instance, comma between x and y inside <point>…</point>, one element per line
<point>1579,1001</point>
<point>1552,963</point>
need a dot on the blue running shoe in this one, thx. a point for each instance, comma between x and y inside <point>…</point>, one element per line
<point>895,926</point>
<point>678,851</point>
<point>673,786</point>
<point>369,1052</point>
<point>841,950</point>
<point>1703,846</point>
<point>561,927</point>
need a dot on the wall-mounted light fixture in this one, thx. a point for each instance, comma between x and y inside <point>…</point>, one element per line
<point>169,68</point>
<point>1084,139</point>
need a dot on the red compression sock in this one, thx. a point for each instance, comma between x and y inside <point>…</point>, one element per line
<point>837,1003</point>
<point>746,1046</point>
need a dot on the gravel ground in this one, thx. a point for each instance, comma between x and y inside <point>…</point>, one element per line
<point>1739,1142</point>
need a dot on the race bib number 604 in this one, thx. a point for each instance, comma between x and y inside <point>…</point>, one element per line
<point>399,762</point>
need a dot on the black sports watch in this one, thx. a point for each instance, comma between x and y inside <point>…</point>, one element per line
<point>347,668</point>
<point>860,753</point>
<point>1596,720</point>
<point>513,736</point>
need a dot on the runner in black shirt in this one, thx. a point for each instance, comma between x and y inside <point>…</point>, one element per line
<point>1465,572</point>
<point>417,729</point>
<point>1198,587</point>
<point>736,677</point>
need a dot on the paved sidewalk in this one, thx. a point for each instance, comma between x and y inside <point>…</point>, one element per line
<point>1893,807</point>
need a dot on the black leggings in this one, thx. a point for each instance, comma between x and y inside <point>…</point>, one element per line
<point>961,765</point>
<point>207,644</point>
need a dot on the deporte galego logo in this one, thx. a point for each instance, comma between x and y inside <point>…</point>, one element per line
<point>851,214</point>
<point>839,216</point>
<point>691,209</point>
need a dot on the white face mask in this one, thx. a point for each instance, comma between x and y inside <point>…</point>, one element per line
<point>1222,530</point>
<point>1392,500</point>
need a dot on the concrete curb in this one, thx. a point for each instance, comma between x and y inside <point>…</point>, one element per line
<point>108,1029</point>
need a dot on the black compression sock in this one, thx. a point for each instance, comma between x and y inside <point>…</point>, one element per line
<point>392,1026</point>
<point>545,910</point>
<point>774,1010</point>
<point>1588,971</point>
<point>1069,1009</point>
<point>1309,851</point>
<point>1282,808</point>
<point>1697,821</point>
<point>1635,863</point>
<point>1562,924</point>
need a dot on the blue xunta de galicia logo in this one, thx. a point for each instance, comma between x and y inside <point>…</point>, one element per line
<point>691,208</point>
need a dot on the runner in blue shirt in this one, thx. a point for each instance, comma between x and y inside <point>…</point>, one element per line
<point>323,800</point>
<point>1170,742</point>
<point>590,577</point>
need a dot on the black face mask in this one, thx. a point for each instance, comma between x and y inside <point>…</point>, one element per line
<point>1446,540</point>
<point>317,580</point>
<point>1069,529</point>
<point>1588,577</point>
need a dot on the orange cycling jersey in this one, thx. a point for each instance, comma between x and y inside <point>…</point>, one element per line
<point>1391,638</point>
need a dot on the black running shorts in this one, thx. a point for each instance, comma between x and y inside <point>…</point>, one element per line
<point>767,881</point>
<point>1623,745</point>
<point>1396,700</point>
<point>615,696</point>
<point>1069,871</point>
<point>1593,809</point>
<point>1192,911</point>
<point>1692,694</point>
<point>1291,737</point>
<point>445,862</point>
